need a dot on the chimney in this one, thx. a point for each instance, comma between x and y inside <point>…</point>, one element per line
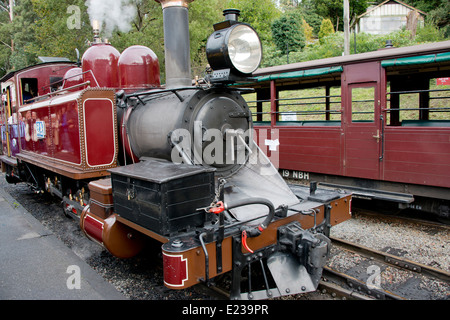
<point>231,14</point>
<point>176,43</point>
<point>96,29</point>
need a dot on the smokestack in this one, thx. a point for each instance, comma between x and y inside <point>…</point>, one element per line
<point>96,28</point>
<point>176,42</point>
<point>231,14</point>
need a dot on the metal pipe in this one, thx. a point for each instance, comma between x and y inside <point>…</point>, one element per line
<point>176,42</point>
<point>254,232</point>
<point>205,251</point>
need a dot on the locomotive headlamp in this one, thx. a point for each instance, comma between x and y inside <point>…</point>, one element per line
<point>234,46</point>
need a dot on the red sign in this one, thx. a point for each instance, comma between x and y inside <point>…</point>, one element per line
<point>443,81</point>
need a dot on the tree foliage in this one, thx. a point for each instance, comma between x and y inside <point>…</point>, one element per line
<point>326,28</point>
<point>258,13</point>
<point>55,34</point>
<point>56,28</point>
<point>287,31</point>
<point>333,10</point>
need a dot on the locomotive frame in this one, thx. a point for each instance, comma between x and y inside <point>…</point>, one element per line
<point>393,146</point>
<point>100,138</point>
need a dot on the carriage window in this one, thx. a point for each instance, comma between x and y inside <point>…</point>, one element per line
<point>29,89</point>
<point>259,106</point>
<point>303,107</point>
<point>440,99</point>
<point>311,106</point>
<point>426,103</point>
<point>409,104</point>
<point>363,104</point>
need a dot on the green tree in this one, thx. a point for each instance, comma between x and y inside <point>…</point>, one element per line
<point>60,27</point>
<point>203,14</point>
<point>307,30</point>
<point>6,41</point>
<point>287,31</point>
<point>325,29</point>
<point>22,35</point>
<point>286,4</point>
<point>334,10</point>
<point>147,29</point>
<point>312,18</point>
<point>259,14</point>
<point>440,17</point>
<point>425,5</point>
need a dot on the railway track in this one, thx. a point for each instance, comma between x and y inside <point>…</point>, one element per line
<point>362,285</point>
<point>346,275</point>
<point>370,273</point>
<point>375,275</point>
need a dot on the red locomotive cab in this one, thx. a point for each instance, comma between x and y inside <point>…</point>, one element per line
<point>73,79</point>
<point>139,68</point>
<point>100,66</point>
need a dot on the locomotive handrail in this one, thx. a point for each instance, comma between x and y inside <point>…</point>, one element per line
<point>174,90</point>
<point>61,80</point>
<point>156,91</point>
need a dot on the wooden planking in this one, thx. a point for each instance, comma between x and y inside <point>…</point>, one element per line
<point>419,156</point>
<point>312,149</point>
<point>361,151</point>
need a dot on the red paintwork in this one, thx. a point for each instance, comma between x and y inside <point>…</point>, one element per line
<point>361,150</point>
<point>46,75</point>
<point>93,228</point>
<point>417,155</point>
<point>317,149</point>
<point>139,68</point>
<point>413,155</point>
<point>88,113</point>
<point>62,137</point>
<point>175,270</point>
<point>100,143</point>
<point>72,78</point>
<point>100,62</point>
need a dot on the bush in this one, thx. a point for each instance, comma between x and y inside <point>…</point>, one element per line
<point>333,45</point>
<point>326,29</point>
<point>288,31</point>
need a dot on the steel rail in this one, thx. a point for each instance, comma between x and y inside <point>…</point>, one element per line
<point>394,260</point>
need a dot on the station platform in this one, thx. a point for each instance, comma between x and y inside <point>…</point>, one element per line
<point>36,265</point>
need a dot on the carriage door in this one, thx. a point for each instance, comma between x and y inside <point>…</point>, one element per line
<point>362,122</point>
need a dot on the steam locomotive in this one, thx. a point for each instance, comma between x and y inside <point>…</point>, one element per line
<point>132,160</point>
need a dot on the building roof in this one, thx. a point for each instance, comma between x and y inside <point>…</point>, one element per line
<point>390,2</point>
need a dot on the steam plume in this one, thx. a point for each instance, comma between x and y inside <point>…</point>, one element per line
<point>112,14</point>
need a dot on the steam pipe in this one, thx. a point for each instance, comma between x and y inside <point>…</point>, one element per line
<point>176,42</point>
